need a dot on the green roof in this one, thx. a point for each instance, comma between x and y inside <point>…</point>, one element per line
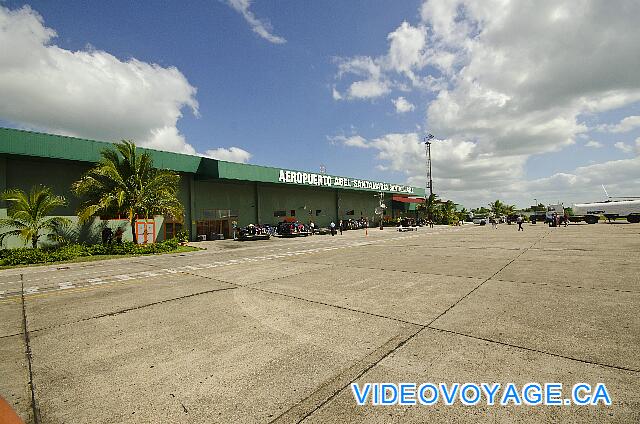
<point>35,144</point>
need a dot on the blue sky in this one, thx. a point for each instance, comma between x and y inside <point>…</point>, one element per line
<point>352,85</point>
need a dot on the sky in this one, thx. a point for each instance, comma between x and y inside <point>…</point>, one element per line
<point>526,100</point>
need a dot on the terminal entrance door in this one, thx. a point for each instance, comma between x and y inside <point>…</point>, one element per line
<point>212,227</point>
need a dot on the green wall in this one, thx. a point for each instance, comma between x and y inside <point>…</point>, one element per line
<point>237,196</point>
<point>305,201</point>
<point>254,202</point>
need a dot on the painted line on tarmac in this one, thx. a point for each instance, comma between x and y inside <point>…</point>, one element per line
<point>143,259</point>
<point>163,272</point>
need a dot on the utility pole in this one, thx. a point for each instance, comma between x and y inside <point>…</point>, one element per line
<point>427,142</point>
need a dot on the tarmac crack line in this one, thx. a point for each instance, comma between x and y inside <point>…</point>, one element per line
<point>317,302</point>
<point>561,285</point>
<point>319,405</point>
<point>327,391</point>
<point>529,349</point>
<point>488,279</point>
<point>133,308</point>
<point>390,269</point>
<point>11,335</point>
<point>27,342</point>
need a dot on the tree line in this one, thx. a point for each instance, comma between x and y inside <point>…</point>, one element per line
<point>446,213</point>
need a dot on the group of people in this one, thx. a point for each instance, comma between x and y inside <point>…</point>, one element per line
<point>519,221</point>
<point>108,235</point>
<point>332,227</point>
<point>556,220</point>
<point>343,225</point>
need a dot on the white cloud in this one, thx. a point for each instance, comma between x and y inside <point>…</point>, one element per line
<point>625,125</point>
<point>594,144</point>
<point>350,141</point>
<point>620,177</point>
<point>368,89</point>
<point>506,89</point>
<point>263,29</point>
<point>88,93</point>
<point>402,105</point>
<point>336,94</point>
<point>373,85</point>
<point>405,56</point>
<point>232,154</point>
<point>623,146</point>
<point>406,49</point>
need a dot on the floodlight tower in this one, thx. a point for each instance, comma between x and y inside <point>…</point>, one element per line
<point>427,142</point>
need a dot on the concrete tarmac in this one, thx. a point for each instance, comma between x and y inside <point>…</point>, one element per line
<point>278,330</point>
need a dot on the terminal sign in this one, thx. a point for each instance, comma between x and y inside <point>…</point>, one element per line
<point>304,178</point>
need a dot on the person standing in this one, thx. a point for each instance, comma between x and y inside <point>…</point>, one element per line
<point>107,235</point>
<point>519,221</point>
<point>119,233</point>
<point>333,228</point>
<point>340,224</point>
<point>312,226</point>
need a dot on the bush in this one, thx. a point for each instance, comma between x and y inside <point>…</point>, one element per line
<point>182,236</point>
<point>26,256</point>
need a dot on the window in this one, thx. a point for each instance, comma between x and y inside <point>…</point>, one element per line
<point>318,212</point>
<point>351,212</point>
<point>219,213</point>
<point>293,212</point>
<point>279,214</point>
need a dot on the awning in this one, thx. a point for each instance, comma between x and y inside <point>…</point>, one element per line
<point>404,199</point>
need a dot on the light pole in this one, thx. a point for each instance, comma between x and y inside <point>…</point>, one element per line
<point>427,142</point>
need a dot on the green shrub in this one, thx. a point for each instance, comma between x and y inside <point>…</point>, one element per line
<point>26,256</point>
<point>182,236</point>
<point>65,253</point>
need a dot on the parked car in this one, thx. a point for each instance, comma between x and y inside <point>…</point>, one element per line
<point>253,232</point>
<point>292,229</point>
<point>480,220</point>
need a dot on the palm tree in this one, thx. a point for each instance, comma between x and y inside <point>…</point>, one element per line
<point>509,209</point>
<point>125,182</point>
<point>497,208</point>
<point>463,214</point>
<point>28,214</point>
<point>447,212</point>
<point>430,206</point>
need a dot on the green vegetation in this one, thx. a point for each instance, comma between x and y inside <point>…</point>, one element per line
<point>182,236</point>
<point>27,256</point>
<point>498,208</point>
<point>28,214</point>
<point>125,183</point>
<point>441,212</point>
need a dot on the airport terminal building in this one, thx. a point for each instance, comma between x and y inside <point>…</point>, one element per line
<point>215,193</point>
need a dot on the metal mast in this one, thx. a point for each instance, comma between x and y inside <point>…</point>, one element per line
<point>427,142</point>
